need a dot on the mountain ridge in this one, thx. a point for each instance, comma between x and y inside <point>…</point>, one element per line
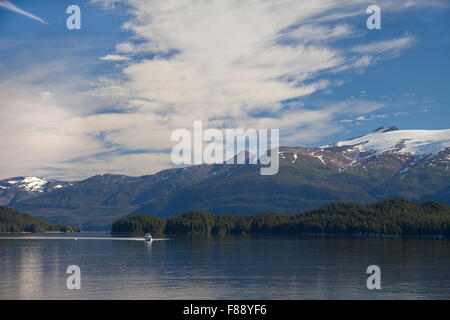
<point>383,164</point>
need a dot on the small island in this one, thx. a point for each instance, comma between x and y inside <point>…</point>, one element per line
<point>12,221</point>
<point>388,217</point>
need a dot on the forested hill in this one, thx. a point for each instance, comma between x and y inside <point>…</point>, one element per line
<point>392,216</point>
<point>15,221</point>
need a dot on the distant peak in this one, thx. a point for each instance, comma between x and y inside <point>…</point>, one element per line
<point>29,183</point>
<point>379,129</point>
<point>382,129</point>
<point>392,128</point>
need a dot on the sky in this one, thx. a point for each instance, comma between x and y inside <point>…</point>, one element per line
<point>106,98</point>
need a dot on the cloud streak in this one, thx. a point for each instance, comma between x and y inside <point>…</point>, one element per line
<point>10,6</point>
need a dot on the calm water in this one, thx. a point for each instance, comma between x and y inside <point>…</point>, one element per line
<point>231,267</point>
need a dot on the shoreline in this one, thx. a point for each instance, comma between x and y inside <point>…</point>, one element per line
<point>357,235</point>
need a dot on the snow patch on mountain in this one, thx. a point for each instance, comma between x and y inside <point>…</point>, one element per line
<point>33,184</point>
<point>320,158</point>
<point>415,142</point>
<point>29,184</point>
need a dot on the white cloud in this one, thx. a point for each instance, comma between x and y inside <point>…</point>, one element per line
<point>231,58</point>
<point>114,57</point>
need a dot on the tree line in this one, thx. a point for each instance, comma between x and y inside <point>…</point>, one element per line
<point>392,216</point>
<point>14,221</point>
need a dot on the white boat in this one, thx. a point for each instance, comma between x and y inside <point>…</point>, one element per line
<point>148,237</point>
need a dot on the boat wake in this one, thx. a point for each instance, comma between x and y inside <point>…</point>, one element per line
<point>78,238</point>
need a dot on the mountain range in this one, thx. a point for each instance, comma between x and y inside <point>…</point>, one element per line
<point>386,163</point>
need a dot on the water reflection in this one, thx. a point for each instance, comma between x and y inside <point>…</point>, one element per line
<point>30,272</point>
<point>226,267</point>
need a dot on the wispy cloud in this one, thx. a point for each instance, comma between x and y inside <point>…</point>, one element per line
<point>10,6</point>
<point>391,47</point>
<point>114,57</point>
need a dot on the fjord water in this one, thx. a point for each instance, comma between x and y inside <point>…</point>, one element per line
<point>224,267</point>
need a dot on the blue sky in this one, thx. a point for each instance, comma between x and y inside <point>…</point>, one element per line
<point>106,98</point>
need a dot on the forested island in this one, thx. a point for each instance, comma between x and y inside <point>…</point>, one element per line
<point>387,217</point>
<point>12,221</point>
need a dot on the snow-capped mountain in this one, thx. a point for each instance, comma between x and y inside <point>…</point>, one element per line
<point>396,149</point>
<point>30,184</point>
<point>386,163</point>
<point>20,188</point>
<point>414,142</point>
